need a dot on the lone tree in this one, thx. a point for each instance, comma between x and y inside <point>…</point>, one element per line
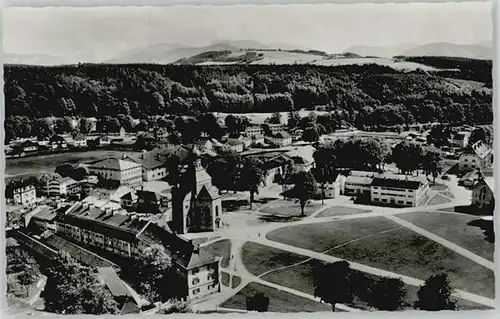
<point>332,282</point>
<point>252,176</point>
<point>432,163</point>
<point>154,270</point>
<point>74,289</point>
<point>435,294</point>
<point>325,170</point>
<point>388,294</point>
<point>304,189</point>
<point>407,156</point>
<point>259,302</point>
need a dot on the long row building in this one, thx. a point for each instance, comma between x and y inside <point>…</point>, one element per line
<point>114,231</point>
<point>387,189</point>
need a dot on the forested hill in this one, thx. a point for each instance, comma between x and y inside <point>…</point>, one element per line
<point>362,95</point>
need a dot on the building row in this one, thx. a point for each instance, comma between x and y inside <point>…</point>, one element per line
<point>106,230</point>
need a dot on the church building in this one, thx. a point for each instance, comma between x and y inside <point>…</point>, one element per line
<point>196,203</point>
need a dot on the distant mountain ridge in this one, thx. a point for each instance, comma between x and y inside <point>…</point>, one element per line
<point>32,59</point>
<point>169,53</point>
<point>484,50</point>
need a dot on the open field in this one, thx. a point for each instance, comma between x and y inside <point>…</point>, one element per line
<point>324,236</point>
<point>288,208</point>
<point>222,249</point>
<point>259,259</point>
<point>32,166</point>
<point>407,253</point>
<point>399,250</point>
<point>457,228</point>
<point>341,210</point>
<point>279,301</point>
<point>403,65</point>
<point>299,277</point>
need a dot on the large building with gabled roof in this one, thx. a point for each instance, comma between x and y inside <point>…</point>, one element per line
<point>121,171</point>
<point>399,190</point>
<point>479,155</point>
<point>125,235</point>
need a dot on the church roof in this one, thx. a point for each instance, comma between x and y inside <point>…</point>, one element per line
<point>212,192</point>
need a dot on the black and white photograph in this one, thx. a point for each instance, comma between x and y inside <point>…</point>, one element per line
<point>241,159</point>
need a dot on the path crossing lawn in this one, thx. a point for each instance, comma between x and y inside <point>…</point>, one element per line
<point>288,208</point>
<point>399,250</point>
<point>457,228</point>
<point>259,258</point>
<point>438,199</point>
<point>323,236</point>
<point>299,277</point>
<point>405,252</point>
<point>340,211</point>
<point>222,249</point>
<point>279,301</point>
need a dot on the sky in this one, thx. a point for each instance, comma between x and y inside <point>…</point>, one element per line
<point>99,33</point>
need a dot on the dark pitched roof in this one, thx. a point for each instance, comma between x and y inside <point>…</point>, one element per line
<point>149,160</point>
<point>130,308</point>
<point>282,135</point>
<point>114,163</point>
<point>212,193</point>
<point>92,218</point>
<point>396,182</point>
<point>113,282</point>
<point>182,251</point>
<point>234,142</point>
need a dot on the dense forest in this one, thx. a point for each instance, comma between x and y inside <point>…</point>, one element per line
<point>470,69</point>
<point>362,95</point>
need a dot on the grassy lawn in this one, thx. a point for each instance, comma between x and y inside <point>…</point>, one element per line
<point>341,210</point>
<point>221,248</point>
<point>456,228</point>
<point>224,278</point>
<point>279,301</point>
<point>236,282</point>
<point>407,253</point>
<point>259,258</point>
<point>438,199</point>
<point>447,194</point>
<point>299,278</point>
<point>323,236</point>
<point>438,187</point>
<point>288,208</point>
